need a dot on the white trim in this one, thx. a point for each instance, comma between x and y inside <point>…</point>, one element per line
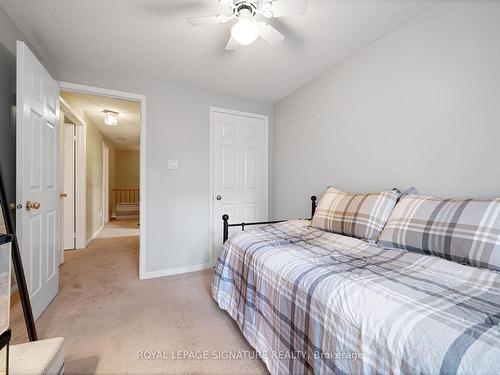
<point>105,183</point>
<point>211,259</point>
<point>238,113</point>
<point>176,271</point>
<point>94,236</point>
<point>62,175</point>
<point>68,111</point>
<point>80,175</point>
<point>80,188</point>
<point>75,87</point>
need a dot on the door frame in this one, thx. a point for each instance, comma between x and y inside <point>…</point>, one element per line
<point>75,87</point>
<point>105,183</point>
<point>213,110</point>
<point>80,175</point>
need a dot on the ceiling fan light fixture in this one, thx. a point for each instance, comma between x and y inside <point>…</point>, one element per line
<point>111,118</point>
<point>245,31</point>
<point>267,10</point>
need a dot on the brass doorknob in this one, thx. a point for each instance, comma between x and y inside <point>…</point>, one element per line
<point>32,205</point>
<point>63,195</point>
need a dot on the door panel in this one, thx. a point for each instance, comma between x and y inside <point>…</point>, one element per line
<point>52,260</point>
<point>37,135</point>
<point>229,155</point>
<point>34,245</point>
<point>251,210</point>
<point>50,156</point>
<point>240,163</point>
<point>251,168</point>
<point>35,156</point>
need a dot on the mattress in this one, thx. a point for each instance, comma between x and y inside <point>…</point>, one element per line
<point>310,301</point>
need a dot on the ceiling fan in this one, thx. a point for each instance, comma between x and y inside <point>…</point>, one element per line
<point>251,15</point>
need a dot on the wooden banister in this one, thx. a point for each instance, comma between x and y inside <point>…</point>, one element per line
<point>126,195</point>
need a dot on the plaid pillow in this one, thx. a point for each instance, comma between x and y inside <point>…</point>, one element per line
<point>355,215</point>
<point>463,230</point>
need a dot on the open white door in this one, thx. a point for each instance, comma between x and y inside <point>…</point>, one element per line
<point>68,203</point>
<point>239,170</point>
<point>37,190</point>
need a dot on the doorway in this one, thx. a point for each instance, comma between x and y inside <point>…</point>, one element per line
<point>238,171</point>
<point>123,136</point>
<point>72,177</point>
<point>68,176</point>
<point>105,182</point>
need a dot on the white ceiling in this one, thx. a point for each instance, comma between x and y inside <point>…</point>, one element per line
<point>125,135</point>
<point>152,38</point>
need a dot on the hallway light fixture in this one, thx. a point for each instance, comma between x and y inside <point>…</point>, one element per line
<point>111,118</point>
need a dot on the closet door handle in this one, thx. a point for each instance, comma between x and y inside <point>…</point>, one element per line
<point>218,197</point>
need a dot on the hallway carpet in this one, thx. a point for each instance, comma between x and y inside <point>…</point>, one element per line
<point>114,323</point>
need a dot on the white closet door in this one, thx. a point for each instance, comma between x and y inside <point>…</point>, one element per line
<point>240,165</point>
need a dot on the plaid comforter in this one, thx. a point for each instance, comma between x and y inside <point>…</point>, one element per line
<point>310,301</point>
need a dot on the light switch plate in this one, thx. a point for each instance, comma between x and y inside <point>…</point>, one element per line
<point>173,164</point>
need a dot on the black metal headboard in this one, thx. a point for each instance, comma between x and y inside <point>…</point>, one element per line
<point>226,225</point>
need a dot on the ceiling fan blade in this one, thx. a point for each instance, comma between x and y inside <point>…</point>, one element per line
<point>208,20</point>
<point>232,44</point>
<point>270,34</point>
<point>283,8</point>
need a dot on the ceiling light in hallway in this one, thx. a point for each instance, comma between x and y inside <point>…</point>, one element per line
<point>111,118</point>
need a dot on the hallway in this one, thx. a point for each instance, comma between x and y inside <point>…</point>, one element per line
<point>107,315</point>
<point>120,228</point>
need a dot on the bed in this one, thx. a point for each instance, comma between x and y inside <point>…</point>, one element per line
<point>311,301</point>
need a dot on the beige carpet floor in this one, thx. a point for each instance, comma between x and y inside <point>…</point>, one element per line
<point>109,318</point>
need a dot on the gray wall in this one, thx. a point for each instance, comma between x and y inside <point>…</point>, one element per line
<point>7,121</point>
<point>9,33</point>
<point>418,107</point>
<point>178,127</point>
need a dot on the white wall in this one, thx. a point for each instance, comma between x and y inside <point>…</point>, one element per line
<point>419,107</point>
<point>178,127</point>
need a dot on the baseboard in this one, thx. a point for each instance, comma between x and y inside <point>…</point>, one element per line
<point>89,240</point>
<point>174,271</point>
<point>97,232</point>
